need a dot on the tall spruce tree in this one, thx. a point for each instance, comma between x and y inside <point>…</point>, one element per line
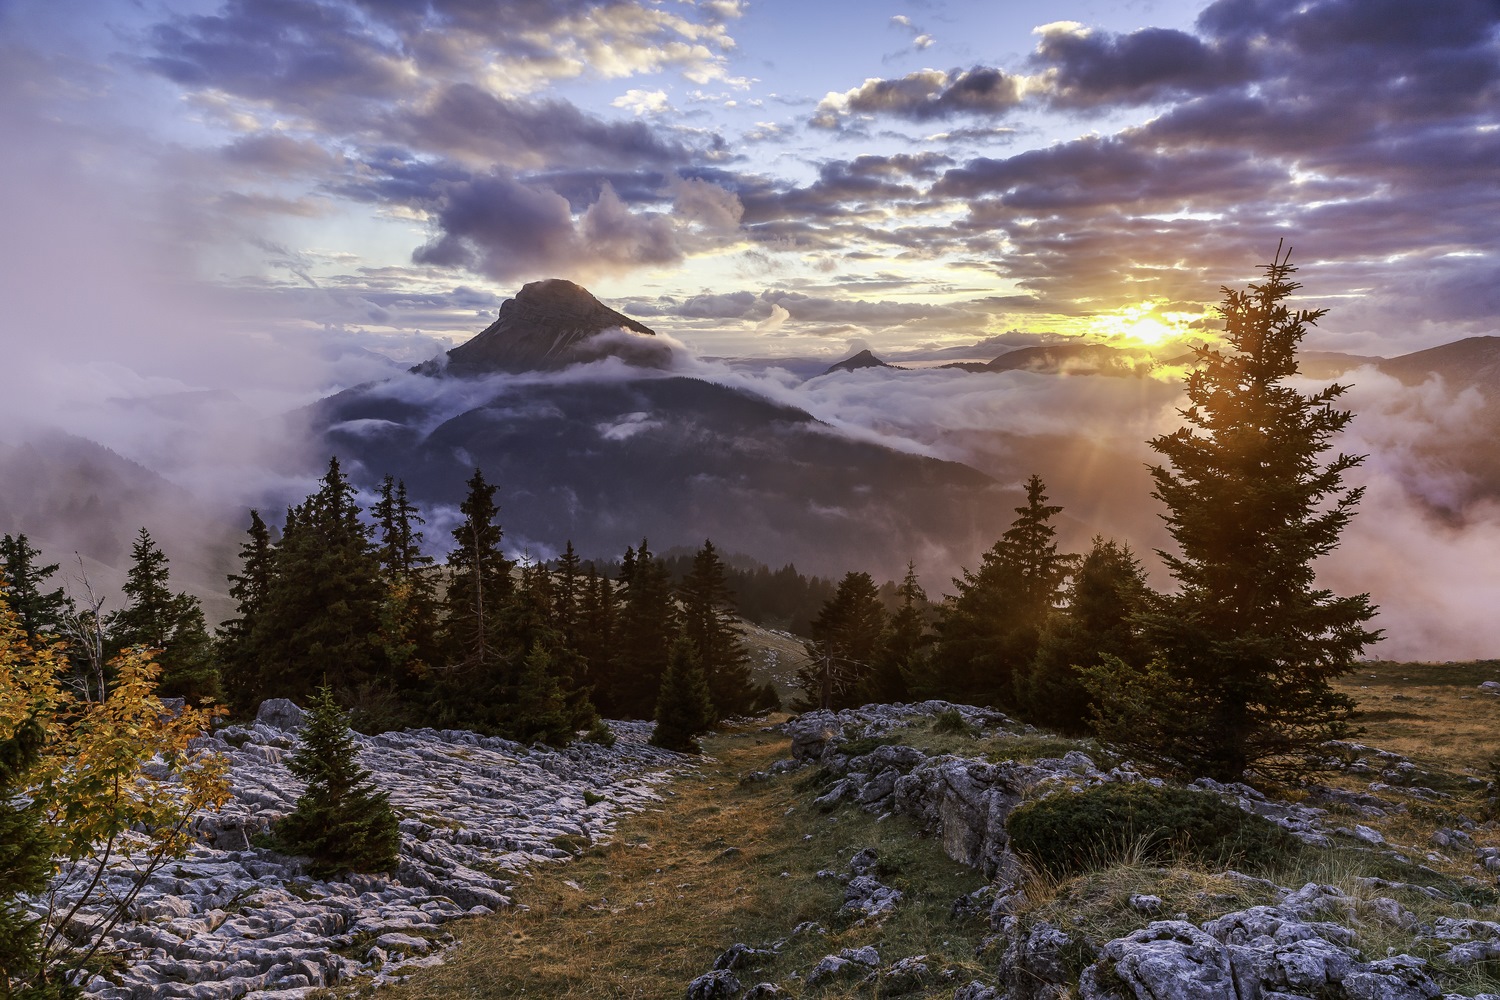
<point>239,664</point>
<point>1247,646</point>
<point>480,583</point>
<point>409,612</point>
<point>26,847</point>
<point>157,617</point>
<point>847,638</point>
<point>322,611</point>
<point>988,631</point>
<point>41,612</point>
<point>683,709</point>
<point>901,664</point>
<point>647,626</point>
<point>341,822</point>
<point>709,623</point>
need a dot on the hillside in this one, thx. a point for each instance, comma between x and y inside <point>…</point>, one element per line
<point>851,854</point>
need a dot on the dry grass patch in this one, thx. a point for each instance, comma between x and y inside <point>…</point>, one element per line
<point>717,863</point>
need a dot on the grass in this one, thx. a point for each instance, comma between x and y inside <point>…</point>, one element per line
<point>717,863</point>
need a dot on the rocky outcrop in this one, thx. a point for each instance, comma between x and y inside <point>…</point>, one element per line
<point>549,325</point>
<point>232,918</point>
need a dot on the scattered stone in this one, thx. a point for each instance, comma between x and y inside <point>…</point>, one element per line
<point>742,956</point>
<point>906,975</point>
<point>1146,904</point>
<point>718,985</point>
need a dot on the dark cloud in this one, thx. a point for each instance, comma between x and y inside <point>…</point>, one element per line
<point>467,122</point>
<point>1085,69</point>
<point>501,228</point>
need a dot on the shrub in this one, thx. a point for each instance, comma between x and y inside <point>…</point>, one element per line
<point>1067,833</point>
<point>950,721</point>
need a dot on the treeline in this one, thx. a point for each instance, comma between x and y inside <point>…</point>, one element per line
<point>346,598</point>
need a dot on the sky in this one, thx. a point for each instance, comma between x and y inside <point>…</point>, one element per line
<point>755,177</point>
<point>215,211</point>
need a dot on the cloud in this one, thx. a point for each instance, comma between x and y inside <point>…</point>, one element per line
<point>504,229</point>
<point>775,321</point>
<point>643,102</point>
<point>1080,68</point>
<point>925,95</point>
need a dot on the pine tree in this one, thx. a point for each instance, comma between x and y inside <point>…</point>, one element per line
<point>322,610</point>
<point>157,618</point>
<point>540,712</point>
<point>901,664</point>
<point>409,613</point>
<point>481,583</point>
<point>41,612</point>
<point>595,640</point>
<point>239,663</point>
<point>1105,596</point>
<point>709,623</point>
<point>1246,647</point>
<point>988,632</point>
<point>568,596</point>
<point>847,637</point>
<point>647,627</point>
<point>341,822</point>
<point>683,710</point>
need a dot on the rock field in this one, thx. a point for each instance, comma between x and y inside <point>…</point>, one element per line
<point>230,918</point>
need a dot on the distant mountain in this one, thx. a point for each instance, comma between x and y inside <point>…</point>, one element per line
<point>603,463</point>
<point>603,458</point>
<point>1067,359</point>
<point>1463,363</point>
<point>864,359</point>
<point>550,325</point>
<point>71,495</point>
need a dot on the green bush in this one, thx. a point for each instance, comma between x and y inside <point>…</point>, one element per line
<point>1066,833</point>
<point>951,721</point>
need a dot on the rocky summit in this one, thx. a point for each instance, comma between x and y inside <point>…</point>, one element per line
<point>549,325</point>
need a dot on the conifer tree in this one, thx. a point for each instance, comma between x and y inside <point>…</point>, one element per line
<point>647,627</point>
<point>683,710</point>
<point>1105,596</point>
<point>595,641</point>
<point>568,596</point>
<point>988,632</point>
<point>239,664</point>
<point>409,613</point>
<point>481,583</point>
<point>847,637</point>
<point>709,623</point>
<point>901,663</point>
<point>540,712</point>
<point>1247,646</point>
<point>157,618</point>
<point>341,822</point>
<point>41,612</point>
<point>323,608</point>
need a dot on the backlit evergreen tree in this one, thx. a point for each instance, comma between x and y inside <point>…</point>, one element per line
<point>847,638</point>
<point>1105,596</point>
<point>988,632</point>
<point>1247,646</point>
<point>481,583</point>
<point>647,627</point>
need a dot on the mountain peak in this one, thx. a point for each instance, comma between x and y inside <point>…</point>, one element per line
<point>864,359</point>
<point>551,324</point>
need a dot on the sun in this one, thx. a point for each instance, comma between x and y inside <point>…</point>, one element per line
<point>1141,325</point>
